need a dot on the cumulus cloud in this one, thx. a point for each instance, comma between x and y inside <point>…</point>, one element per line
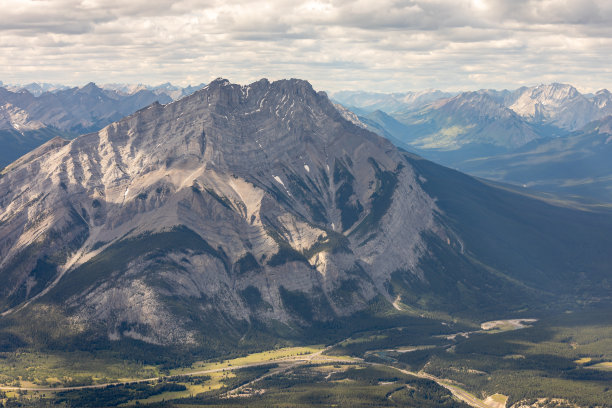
<point>388,45</point>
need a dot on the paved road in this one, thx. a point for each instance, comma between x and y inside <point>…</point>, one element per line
<point>456,391</point>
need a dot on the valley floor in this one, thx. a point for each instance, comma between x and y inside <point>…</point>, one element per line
<point>561,360</point>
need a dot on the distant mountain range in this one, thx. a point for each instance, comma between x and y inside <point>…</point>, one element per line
<point>173,91</point>
<point>556,105</point>
<point>35,113</point>
<point>389,103</point>
<point>471,130</point>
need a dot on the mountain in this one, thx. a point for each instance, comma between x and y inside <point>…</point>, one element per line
<point>79,110</point>
<point>499,134</point>
<point>257,179</point>
<point>388,103</point>
<point>558,108</point>
<point>167,89</point>
<point>19,133</point>
<point>28,120</point>
<point>241,212</point>
<point>574,166</point>
<point>385,125</point>
<point>36,88</point>
<point>559,105</point>
<point>603,101</point>
<point>175,92</point>
<point>452,130</point>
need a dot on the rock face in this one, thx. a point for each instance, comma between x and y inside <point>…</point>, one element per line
<point>559,105</point>
<point>470,118</point>
<point>235,203</point>
<point>77,110</point>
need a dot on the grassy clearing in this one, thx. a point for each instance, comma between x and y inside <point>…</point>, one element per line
<point>27,396</point>
<point>262,357</point>
<point>30,369</point>
<point>215,382</point>
<point>498,400</point>
<point>606,366</point>
<point>583,360</point>
<point>363,339</point>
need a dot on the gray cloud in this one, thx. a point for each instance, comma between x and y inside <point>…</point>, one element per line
<point>388,45</point>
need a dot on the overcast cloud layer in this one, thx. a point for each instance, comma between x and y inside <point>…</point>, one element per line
<point>384,45</point>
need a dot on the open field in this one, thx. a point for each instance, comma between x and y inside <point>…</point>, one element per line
<point>496,400</point>
<point>213,382</point>
<point>264,356</point>
<point>506,325</point>
<point>68,369</point>
<point>605,366</point>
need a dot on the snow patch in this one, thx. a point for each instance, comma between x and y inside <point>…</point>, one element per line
<point>307,168</point>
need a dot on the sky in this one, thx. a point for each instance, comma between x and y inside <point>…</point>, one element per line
<point>374,45</point>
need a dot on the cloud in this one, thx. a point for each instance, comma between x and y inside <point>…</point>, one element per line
<point>388,45</point>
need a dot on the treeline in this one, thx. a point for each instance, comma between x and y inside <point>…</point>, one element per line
<point>112,396</point>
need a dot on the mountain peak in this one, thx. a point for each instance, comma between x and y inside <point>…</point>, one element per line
<point>89,85</point>
<point>269,172</point>
<point>559,104</point>
<point>555,92</point>
<point>263,93</point>
<point>90,89</point>
<point>480,104</point>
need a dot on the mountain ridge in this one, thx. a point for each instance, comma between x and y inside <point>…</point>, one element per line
<point>26,120</point>
<point>110,203</point>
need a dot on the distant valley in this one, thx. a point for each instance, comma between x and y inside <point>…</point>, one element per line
<point>483,132</point>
